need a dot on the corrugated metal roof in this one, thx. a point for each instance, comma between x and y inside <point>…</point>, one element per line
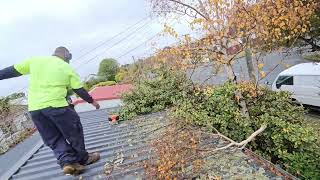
<point>123,147</point>
<point>125,140</point>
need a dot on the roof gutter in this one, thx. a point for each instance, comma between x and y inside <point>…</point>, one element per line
<point>269,165</point>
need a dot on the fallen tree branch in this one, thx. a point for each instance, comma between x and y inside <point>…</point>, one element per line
<point>251,137</point>
<point>185,145</point>
<point>240,145</point>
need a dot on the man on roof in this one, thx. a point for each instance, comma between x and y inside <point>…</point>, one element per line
<point>58,124</point>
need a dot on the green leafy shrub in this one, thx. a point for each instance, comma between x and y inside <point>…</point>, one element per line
<point>105,83</point>
<point>313,57</point>
<point>91,82</point>
<point>152,94</point>
<point>121,75</point>
<point>287,141</point>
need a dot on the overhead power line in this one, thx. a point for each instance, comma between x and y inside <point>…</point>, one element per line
<point>100,44</point>
<point>127,42</point>
<point>137,38</point>
<point>139,45</point>
<point>114,44</point>
<point>149,39</point>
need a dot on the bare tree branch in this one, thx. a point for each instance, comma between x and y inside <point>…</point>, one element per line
<point>240,145</point>
<point>193,8</point>
<point>203,9</point>
<point>185,13</point>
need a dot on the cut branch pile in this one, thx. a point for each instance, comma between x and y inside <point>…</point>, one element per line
<point>182,150</point>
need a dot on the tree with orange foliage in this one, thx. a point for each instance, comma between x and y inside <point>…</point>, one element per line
<point>261,25</point>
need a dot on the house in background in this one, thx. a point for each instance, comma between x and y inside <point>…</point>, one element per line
<point>107,96</point>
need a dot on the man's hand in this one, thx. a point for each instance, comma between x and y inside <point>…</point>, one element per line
<point>96,104</point>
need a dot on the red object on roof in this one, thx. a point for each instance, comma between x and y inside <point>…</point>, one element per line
<point>107,92</point>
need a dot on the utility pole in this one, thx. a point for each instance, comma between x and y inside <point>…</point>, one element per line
<point>134,60</point>
<point>138,69</point>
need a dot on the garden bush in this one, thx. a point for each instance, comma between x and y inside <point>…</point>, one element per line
<point>156,92</point>
<point>313,57</point>
<point>287,141</point>
<point>104,83</point>
<point>91,82</point>
<point>121,75</point>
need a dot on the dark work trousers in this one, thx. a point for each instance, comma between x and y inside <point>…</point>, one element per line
<point>61,130</point>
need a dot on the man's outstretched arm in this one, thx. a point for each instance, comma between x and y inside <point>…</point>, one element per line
<point>83,94</point>
<point>9,72</point>
<point>76,85</point>
<point>86,96</point>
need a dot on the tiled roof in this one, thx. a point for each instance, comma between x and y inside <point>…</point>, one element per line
<point>107,92</point>
<point>123,147</point>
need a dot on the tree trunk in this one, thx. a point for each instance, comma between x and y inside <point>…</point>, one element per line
<point>231,76</point>
<point>241,102</point>
<point>250,64</point>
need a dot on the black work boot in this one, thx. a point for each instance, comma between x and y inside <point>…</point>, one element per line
<point>73,169</point>
<point>93,157</point>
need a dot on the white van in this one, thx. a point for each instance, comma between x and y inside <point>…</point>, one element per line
<point>303,81</point>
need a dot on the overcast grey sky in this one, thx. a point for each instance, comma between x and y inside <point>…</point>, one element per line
<point>36,27</point>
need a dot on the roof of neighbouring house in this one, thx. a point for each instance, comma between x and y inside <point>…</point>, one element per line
<point>107,92</point>
<point>123,148</point>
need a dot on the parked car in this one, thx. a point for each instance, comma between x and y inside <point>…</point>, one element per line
<point>303,81</point>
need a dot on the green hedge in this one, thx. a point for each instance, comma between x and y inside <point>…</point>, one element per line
<point>154,94</point>
<point>314,57</point>
<point>287,141</point>
<point>105,83</point>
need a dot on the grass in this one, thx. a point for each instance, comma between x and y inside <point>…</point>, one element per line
<point>313,57</point>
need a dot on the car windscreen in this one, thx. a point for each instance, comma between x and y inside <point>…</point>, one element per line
<point>284,80</point>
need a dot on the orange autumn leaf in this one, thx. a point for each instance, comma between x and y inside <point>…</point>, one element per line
<point>263,74</point>
<point>260,66</point>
